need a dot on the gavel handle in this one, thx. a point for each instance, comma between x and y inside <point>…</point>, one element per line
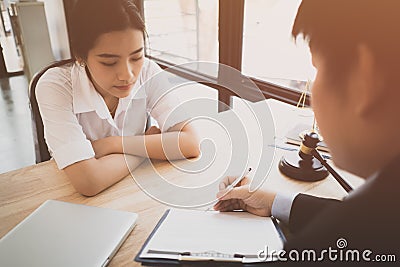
<point>338,178</point>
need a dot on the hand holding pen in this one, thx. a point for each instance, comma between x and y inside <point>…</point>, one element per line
<point>230,182</point>
<point>235,194</point>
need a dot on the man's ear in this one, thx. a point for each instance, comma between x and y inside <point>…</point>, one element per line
<point>367,85</point>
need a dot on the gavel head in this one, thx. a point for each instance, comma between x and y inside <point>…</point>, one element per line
<point>309,143</point>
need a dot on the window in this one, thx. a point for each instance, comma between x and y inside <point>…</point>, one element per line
<point>253,36</point>
<point>182,31</point>
<point>269,51</point>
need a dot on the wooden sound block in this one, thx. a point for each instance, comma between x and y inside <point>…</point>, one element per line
<point>295,167</point>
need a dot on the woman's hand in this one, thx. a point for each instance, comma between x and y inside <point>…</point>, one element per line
<point>258,202</point>
<point>106,146</point>
<point>152,130</point>
<point>113,144</point>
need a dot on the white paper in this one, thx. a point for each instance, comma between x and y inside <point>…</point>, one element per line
<point>223,232</point>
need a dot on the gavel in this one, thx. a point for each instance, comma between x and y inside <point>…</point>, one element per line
<point>308,165</point>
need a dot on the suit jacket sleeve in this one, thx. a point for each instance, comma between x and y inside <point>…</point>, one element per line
<point>305,208</point>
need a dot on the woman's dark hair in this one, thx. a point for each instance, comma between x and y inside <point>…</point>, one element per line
<point>92,18</point>
<point>335,29</point>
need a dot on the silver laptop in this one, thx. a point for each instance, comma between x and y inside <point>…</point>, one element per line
<point>65,234</point>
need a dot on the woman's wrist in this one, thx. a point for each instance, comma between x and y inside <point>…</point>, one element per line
<point>115,144</point>
<point>107,146</point>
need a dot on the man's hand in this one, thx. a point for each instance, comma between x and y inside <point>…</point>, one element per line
<point>258,202</point>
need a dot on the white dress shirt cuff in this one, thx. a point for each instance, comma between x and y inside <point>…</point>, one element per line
<point>282,205</point>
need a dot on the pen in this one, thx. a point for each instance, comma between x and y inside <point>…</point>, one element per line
<point>234,184</point>
<point>238,180</point>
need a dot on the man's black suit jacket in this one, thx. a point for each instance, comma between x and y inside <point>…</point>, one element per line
<point>369,218</point>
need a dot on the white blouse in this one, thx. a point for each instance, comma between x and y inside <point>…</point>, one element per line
<point>74,113</point>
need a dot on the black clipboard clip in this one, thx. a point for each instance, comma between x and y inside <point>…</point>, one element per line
<point>210,256</point>
<point>204,256</point>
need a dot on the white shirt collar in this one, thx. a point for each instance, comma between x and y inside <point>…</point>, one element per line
<point>87,99</point>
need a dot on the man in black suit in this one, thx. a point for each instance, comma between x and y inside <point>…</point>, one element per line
<point>355,45</point>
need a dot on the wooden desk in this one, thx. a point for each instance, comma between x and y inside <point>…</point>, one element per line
<point>23,190</point>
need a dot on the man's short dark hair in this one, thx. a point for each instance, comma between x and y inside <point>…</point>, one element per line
<point>335,28</point>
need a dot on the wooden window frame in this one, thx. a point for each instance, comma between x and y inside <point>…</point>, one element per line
<point>230,37</point>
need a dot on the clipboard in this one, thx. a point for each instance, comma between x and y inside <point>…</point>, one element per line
<point>208,258</point>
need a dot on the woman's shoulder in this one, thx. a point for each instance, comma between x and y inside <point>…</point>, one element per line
<point>55,80</point>
<point>150,68</point>
<point>59,76</point>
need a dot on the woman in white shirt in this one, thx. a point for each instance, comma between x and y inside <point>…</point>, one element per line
<point>83,103</point>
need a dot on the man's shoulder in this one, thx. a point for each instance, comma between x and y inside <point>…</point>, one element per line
<point>367,218</point>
